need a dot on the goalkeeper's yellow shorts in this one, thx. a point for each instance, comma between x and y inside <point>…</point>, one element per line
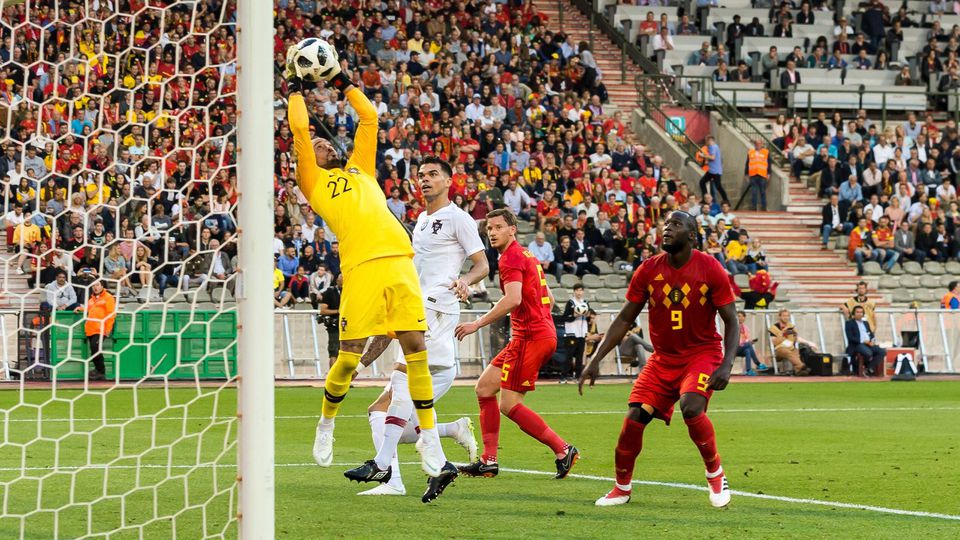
<point>381,297</point>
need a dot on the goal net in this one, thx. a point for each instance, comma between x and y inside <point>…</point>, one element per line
<point>127,403</point>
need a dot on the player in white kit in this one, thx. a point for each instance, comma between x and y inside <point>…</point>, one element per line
<point>443,238</point>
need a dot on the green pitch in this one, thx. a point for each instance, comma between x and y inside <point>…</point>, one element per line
<point>890,447</point>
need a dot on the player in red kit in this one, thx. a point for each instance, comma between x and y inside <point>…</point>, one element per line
<point>513,373</point>
<point>684,289</point>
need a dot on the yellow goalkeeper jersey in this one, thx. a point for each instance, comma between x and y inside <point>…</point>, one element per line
<point>349,200</point>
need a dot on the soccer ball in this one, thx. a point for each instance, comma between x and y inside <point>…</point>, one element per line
<point>316,60</point>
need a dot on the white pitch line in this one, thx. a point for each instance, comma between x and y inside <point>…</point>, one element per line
<point>459,414</point>
<point>780,498</point>
<point>676,485</point>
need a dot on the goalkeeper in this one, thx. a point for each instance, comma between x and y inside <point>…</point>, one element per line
<point>381,291</point>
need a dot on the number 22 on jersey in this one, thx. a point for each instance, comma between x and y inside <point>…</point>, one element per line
<point>338,186</point>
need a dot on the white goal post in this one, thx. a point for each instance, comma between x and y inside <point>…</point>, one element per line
<point>255,318</point>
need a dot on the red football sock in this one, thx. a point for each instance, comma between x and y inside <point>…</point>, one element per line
<point>489,427</point>
<point>534,426</point>
<point>628,448</point>
<point>701,433</point>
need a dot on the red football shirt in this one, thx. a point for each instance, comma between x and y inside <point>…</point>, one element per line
<point>531,319</point>
<point>682,304</point>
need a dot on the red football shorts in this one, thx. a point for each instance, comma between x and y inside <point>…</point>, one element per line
<point>520,362</point>
<point>661,384</point>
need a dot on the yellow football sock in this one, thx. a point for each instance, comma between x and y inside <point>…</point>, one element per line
<point>421,388</point>
<point>338,382</point>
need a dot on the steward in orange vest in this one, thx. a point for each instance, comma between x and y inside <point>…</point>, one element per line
<point>951,300</point>
<point>757,170</point>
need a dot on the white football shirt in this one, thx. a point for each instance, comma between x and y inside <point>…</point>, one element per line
<point>442,241</point>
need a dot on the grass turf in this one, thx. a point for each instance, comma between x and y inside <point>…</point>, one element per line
<point>877,444</point>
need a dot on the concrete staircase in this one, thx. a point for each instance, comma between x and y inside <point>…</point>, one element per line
<point>623,92</point>
<point>809,276</point>
<point>14,292</point>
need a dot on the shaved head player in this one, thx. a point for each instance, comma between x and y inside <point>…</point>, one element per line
<point>685,289</point>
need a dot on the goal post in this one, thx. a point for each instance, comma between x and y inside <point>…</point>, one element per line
<point>255,302</point>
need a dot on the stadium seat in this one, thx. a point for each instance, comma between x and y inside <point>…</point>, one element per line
<point>842,242</point>
<point>934,267</point>
<point>946,279</point>
<point>592,282</point>
<point>604,267</point>
<point>494,294</point>
<point>552,281</point>
<point>568,280</point>
<point>903,296</point>
<point>482,306</point>
<point>913,268</point>
<point>524,227</point>
<point>872,268</point>
<point>909,282</point>
<point>561,296</point>
<point>613,281</point>
<point>889,282</point>
<point>742,281</point>
<point>896,270</point>
<point>928,296</point>
<point>953,267</point>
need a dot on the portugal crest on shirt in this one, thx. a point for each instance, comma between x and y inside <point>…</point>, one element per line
<point>437,225</point>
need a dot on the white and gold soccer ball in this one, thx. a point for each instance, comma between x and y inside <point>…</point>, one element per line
<point>315,60</point>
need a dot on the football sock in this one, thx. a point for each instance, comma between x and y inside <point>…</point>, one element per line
<point>421,388</point>
<point>400,409</point>
<point>448,429</point>
<point>412,432</point>
<point>489,427</point>
<point>534,426</point>
<point>701,433</point>
<point>375,418</point>
<point>338,382</point>
<point>628,448</point>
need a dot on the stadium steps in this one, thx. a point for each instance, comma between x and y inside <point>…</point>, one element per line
<point>14,291</point>
<point>623,95</point>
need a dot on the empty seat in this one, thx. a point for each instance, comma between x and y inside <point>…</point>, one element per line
<point>872,268</point>
<point>561,296</point>
<point>889,282</point>
<point>913,268</point>
<point>842,242</point>
<point>897,270</point>
<point>903,296</point>
<point>614,281</point>
<point>946,279</point>
<point>494,294</point>
<point>592,281</point>
<point>742,281</point>
<point>604,267</point>
<point>934,267</point>
<point>552,281</point>
<point>909,282</point>
<point>568,280</point>
<point>953,267</point>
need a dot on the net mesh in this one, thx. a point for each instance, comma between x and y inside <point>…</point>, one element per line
<point>118,121</point>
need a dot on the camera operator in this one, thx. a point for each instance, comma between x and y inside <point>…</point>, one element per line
<point>329,317</point>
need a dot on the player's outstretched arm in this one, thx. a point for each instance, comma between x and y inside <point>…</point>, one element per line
<point>624,321</point>
<point>299,119</point>
<point>364,155</point>
<point>731,338</point>
<point>511,299</point>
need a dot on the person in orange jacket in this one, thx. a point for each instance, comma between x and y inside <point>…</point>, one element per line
<point>101,312</point>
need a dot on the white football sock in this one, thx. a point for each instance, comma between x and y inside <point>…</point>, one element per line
<point>376,419</point>
<point>401,407</point>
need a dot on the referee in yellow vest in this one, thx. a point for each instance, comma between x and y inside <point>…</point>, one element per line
<point>757,170</point>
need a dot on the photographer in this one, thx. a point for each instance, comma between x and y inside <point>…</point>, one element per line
<point>786,343</point>
<point>575,330</point>
<point>329,317</point>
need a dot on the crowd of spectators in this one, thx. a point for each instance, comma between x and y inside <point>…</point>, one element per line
<point>890,189</point>
<point>119,161</point>
<point>866,42</point>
